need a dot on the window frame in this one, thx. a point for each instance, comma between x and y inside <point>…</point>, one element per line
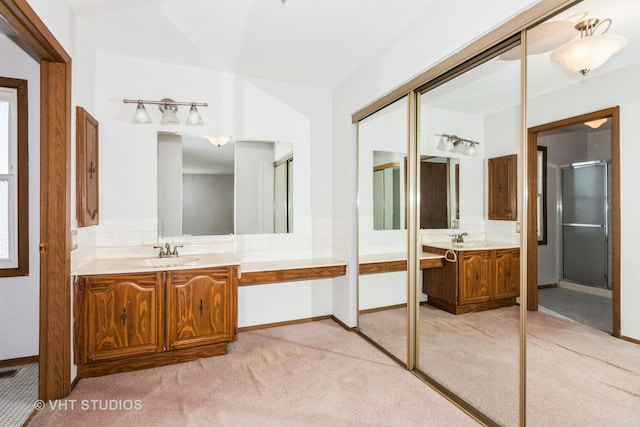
<point>20,265</point>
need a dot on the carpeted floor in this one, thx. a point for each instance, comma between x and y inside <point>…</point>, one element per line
<point>576,375</point>
<point>312,374</point>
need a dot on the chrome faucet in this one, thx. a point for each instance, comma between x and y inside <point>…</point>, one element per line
<point>460,237</point>
<point>167,252</point>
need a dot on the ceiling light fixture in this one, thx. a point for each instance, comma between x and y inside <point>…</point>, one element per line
<point>595,124</point>
<point>455,144</point>
<point>168,107</point>
<point>218,140</point>
<point>591,50</point>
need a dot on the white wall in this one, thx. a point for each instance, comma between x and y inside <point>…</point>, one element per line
<point>20,296</point>
<point>207,204</point>
<point>170,163</point>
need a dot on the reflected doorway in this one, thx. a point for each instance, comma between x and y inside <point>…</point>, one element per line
<point>582,220</point>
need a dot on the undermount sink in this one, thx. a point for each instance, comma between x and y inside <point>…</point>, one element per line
<point>169,262</point>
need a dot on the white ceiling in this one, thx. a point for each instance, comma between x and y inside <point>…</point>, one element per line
<point>311,42</point>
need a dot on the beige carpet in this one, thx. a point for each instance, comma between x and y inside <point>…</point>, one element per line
<point>312,374</point>
<point>577,375</point>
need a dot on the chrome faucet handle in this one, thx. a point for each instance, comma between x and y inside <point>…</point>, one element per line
<point>161,250</point>
<point>175,249</point>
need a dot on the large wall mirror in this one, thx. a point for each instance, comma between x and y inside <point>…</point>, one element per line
<point>209,186</point>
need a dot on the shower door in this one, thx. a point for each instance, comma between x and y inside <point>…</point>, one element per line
<point>585,224</point>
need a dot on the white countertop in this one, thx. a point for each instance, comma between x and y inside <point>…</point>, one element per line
<point>473,245</point>
<point>192,261</point>
<point>141,264</point>
<point>395,256</point>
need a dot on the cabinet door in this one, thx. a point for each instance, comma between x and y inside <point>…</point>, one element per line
<point>476,268</point>
<point>507,273</point>
<point>503,181</point>
<point>122,316</point>
<point>201,307</point>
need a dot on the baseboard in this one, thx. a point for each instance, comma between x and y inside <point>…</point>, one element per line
<point>285,323</point>
<point>607,293</point>
<point>19,361</point>
<point>344,325</point>
<point>633,340</point>
<point>550,285</point>
<point>386,307</point>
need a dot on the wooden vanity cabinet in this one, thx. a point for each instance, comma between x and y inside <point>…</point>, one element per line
<point>503,183</point>
<point>122,316</point>
<point>201,307</point>
<point>124,322</point>
<point>478,280</point>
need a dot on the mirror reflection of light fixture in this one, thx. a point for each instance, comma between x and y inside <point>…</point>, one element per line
<point>168,107</point>
<point>218,140</point>
<point>591,50</point>
<point>455,144</point>
<point>595,124</point>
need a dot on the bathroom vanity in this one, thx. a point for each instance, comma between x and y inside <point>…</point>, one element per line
<point>477,276</point>
<point>126,320</point>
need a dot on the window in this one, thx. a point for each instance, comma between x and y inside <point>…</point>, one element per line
<point>14,207</point>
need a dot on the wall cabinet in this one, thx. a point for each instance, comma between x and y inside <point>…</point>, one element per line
<point>503,183</point>
<point>478,280</point>
<point>124,322</point>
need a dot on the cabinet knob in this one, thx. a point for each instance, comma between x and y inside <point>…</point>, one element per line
<point>201,307</point>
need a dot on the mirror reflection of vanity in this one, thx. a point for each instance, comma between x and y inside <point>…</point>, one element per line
<point>238,187</point>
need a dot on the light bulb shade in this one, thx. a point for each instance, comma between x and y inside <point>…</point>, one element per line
<point>219,140</point>
<point>169,117</point>
<point>193,118</point>
<point>141,116</point>
<point>595,124</point>
<point>588,53</point>
<point>441,144</point>
<point>471,151</point>
<point>460,148</point>
<point>448,145</point>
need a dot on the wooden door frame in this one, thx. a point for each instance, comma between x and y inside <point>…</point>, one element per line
<point>33,36</point>
<point>532,242</point>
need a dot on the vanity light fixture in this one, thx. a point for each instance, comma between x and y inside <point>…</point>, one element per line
<point>591,50</point>
<point>455,144</point>
<point>595,124</point>
<point>218,140</point>
<point>168,107</point>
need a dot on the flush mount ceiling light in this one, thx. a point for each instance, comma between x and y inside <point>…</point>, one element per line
<point>168,107</point>
<point>218,140</point>
<point>455,144</point>
<point>591,50</point>
<point>595,124</point>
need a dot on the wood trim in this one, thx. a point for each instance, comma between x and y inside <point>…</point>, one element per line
<point>23,177</point>
<point>19,361</point>
<point>31,33</point>
<point>285,323</point>
<point>524,20</point>
<point>150,360</point>
<point>532,259</point>
<point>294,274</point>
<point>633,340</point>
<point>401,265</point>
<point>55,214</point>
<point>385,308</point>
<point>344,325</point>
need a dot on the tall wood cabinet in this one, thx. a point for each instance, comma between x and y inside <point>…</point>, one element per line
<point>503,184</point>
<point>478,280</point>
<point>124,322</point>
